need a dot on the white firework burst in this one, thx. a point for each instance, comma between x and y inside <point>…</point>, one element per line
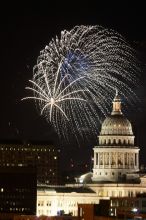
<point>75,78</point>
<point>53,99</point>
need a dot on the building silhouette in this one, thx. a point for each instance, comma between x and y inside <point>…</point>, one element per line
<point>18,190</point>
<point>43,157</point>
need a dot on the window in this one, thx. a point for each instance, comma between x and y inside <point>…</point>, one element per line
<point>144,203</point>
<point>81,211</point>
<point>135,159</point>
<point>49,203</point>
<point>120,193</point>
<point>40,203</point>
<point>96,158</point>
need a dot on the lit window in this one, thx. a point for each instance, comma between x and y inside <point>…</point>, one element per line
<point>20,164</point>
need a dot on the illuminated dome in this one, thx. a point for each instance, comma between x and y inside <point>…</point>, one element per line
<point>116,123</point>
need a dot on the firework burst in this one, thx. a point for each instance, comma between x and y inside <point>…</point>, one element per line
<point>76,75</point>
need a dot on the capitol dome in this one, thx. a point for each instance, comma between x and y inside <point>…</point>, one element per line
<point>116,123</point>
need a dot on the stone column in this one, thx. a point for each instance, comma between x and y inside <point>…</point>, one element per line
<point>137,160</point>
<point>100,156</point>
<point>116,159</point>
<point>103,159</point>
<point>94,159</point>
<point>123,155</point>
<point>98,159</point>
<point>127,160</point>
<point>134,159</point>
<point>130,155</point>
<point>109,160</point>
<point>124,160</point>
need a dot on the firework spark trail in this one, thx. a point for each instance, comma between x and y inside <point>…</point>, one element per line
<point>75,77</point>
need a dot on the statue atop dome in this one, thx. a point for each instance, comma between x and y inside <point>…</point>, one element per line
<point>116,105</point>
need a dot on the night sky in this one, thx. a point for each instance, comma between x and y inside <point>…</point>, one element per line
<point>25,31</point>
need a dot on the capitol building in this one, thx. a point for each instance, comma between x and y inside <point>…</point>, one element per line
<point>116,159</point>
<point>115,170</point>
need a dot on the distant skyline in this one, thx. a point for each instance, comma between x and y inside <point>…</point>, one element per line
<point>24,34</point>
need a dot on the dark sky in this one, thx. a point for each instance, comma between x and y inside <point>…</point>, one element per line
<point>26,30</point>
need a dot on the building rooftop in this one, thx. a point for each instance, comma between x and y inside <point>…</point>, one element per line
<point>65,189</point>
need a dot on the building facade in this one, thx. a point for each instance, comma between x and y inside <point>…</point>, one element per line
<point>18,190</point>
<point>115,170</point>
<point>45,158</point>
<point>53,200</point>
<point>128,207</point>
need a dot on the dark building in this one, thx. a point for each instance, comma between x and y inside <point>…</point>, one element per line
<point>94,211</point>
<point>128,207</point>
<point>18,190</point>
<point>44,157</point>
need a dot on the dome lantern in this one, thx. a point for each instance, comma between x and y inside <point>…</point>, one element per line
<point>116,123</point>
<point>116,105</point>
